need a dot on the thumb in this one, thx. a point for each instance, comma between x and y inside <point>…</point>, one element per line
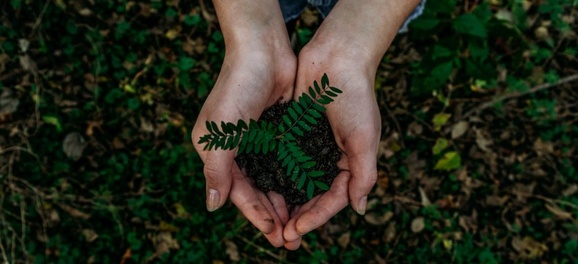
<point>217,170</point>
<point>362,159</point>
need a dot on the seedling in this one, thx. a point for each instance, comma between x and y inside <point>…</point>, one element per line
<point>263,137</point>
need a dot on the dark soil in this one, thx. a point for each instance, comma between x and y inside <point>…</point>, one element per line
<point>268,174</point>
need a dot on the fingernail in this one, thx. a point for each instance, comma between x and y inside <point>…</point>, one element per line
<point>213,200</point>
<point>361,205</point>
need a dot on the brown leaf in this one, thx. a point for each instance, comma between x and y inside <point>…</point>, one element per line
<point>483,140</point>
<point>8,103</point>
<point>424,200</point>
<point>459,129</point>
<point>89,235</point>
<point>344,239</point>
<point>418,224</point>
<point>558,212</point>
<point>543,148</point>
<point>375,218</point>
<point>74,212</point>
<point>73,145</point>
<point>164,242</point>
<point>389,235</point>
<point>232,251</point>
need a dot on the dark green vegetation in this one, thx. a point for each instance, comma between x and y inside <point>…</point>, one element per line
<point>281,139</point>
<point>478,162</point>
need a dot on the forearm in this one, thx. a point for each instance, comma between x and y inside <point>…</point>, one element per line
<point>365,29</point>
<point>244,22</point>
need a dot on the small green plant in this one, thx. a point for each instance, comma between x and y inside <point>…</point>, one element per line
<point>263,137</point>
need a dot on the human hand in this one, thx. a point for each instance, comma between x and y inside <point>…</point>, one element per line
<point>258,71</point>
<point>355,121</point>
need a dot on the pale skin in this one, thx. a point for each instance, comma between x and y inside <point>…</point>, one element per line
<point>260,69</point>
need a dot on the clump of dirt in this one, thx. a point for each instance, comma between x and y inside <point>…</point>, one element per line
<point>268,174</point>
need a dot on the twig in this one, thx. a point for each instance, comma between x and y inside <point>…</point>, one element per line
<point>39,19</point>
<point>511,95</point>
<point>261,249</point>
<point>556,201</point>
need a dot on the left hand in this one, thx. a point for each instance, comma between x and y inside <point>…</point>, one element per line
<point>355,120</point>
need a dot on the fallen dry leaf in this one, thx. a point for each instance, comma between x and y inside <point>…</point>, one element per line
<point>418,224</point>
<point>459,129</point>
<point>74,145</point>
<point>344,239</point>
<point>232,251</point>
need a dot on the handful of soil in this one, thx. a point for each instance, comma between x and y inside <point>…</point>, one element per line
<point>267,172</point>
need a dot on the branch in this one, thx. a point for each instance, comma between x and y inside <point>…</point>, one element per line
<point>511,95</point>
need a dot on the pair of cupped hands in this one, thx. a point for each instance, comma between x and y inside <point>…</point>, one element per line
<point>261,72</point>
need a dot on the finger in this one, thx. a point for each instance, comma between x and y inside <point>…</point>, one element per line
<point>328,205</point>
<point>276,237</point>
<point>362,161</point>
<point>244,196</point>
<point>290,232</point>
<point>293,245</point>
<point>280,206</point>
<point>217,170</point>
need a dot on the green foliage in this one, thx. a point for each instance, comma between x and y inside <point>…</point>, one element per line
<point>262,137</point>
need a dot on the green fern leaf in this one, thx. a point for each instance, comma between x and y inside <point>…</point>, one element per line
<point>310,189</point>
<point>250,146</point>
<point>236,140</point>
<point>289,137</point>
<point>335,90</point>
<point>307,100</point>
<point>303,158</point>
<point>209,127</point>
<point>205,138</point>
<point>324,80</point>
<point>252,135</point>
<point>308,165</point>
<point>259,137</point>
<point>330,93</point>
<point>313,112</point>
<point>287,121</point>
<point>232,127</point>
<point>310,119</point>
<point>315,174</point>
<point>321,185</point>
<point>301,182</point>
<point>243,143</point>
<point>241,125</point>
<point>297,107</point>
<point>226,129</point>
<point>293,114</point>
<point>272,145</point>
<point>212,144</point>
<point>286,161</point>
<point>317,88</point>
<point>253,124</point>
<point>311,92</point>
<point>325,100</point>
<point>266,147</point>
<point>216,129</point>
<point>290,167</point>
<point>304,125</point>
<point>229,143</point>
<point>297,131</point>
<point>319,108</point>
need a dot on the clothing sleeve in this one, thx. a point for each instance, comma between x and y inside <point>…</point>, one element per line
<point>414,14</point>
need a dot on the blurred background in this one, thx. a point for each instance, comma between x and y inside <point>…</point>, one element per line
<point>478,161</point>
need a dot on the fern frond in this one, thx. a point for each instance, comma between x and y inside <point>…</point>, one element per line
<point>257,136</point>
